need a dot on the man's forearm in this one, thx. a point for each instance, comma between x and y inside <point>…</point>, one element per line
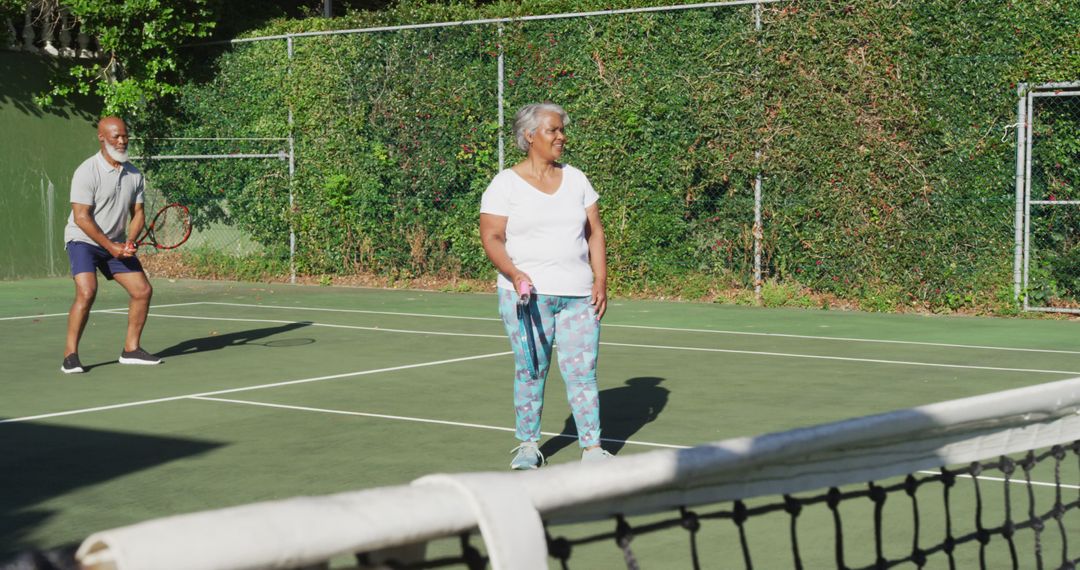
<point>93,231</point>
<point>136,226</point>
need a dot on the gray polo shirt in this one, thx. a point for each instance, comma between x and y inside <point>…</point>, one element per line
<point>111,191</point>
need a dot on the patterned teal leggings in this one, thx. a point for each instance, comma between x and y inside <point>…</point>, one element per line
<point>571,323</point>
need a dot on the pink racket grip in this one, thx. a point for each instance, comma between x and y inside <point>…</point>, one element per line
<point>523,288</point>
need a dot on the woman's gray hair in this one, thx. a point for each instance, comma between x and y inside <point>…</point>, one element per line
<point>527,120</point>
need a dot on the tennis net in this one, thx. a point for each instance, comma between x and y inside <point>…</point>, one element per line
<point>991,481</point>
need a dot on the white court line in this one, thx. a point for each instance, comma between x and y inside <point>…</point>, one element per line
<point>670,329</point>
<point>248,388</point>
<point>419,420</point>
<point>547,433</point>
<point>118,309</point>
<point>606,325</point>
<point>661,347</point>
<point>851,339</point>
<point>1014,480</point>
<point>847,359</point>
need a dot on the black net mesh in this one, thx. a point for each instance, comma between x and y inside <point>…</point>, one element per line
<point>1011,512</point>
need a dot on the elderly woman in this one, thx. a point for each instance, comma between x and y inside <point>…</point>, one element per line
<point>540,226</point>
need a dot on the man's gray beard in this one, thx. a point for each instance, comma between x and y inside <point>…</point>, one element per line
<point>117,155</point>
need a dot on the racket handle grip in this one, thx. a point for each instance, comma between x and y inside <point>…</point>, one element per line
<point>524,291</point>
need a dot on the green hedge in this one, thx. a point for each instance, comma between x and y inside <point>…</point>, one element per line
<point>877,126</point>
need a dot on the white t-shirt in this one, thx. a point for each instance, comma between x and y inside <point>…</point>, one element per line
<point>545,233</point>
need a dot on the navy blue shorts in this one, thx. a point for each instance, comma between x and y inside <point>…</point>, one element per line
<point>86,258</point>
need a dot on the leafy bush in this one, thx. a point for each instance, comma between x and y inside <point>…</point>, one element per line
<point>878,129</point>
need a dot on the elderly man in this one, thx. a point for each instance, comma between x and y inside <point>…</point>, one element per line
<point>106,218</point>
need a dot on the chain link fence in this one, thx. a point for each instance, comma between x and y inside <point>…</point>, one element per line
<point>236,190</point>
<point>1052,175</point>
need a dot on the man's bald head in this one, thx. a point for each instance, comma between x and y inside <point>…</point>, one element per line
<point>113,135</point>
<point>109,123</point>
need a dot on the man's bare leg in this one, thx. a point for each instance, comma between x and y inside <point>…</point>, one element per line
<point>140,293</point>
<point>85,293</point>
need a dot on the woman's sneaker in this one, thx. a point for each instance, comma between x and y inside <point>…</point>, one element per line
<point>527,456</point>
<point>71,364</point>
<point>595,454</point>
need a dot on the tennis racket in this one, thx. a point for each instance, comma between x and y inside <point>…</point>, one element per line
<point>526,323</point>
<point>169,228</point>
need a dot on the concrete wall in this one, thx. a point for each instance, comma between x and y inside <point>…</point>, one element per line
<point>39,150</point>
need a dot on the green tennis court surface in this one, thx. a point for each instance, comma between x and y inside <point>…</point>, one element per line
<point>273,391</point>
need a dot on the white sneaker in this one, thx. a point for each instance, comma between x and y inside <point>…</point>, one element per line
<point>528,456</point>
<point>595,454</point>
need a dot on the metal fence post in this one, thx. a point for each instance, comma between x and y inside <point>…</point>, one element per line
<point>758,230</point>
<point>501,109</point>
<point>292,172</point>
<point>1027,194</point>
<point>1021,132</point>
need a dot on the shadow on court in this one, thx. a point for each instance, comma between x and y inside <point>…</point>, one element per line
<point>256,337</point>
<point>39,463</point>
<point>623,411</point>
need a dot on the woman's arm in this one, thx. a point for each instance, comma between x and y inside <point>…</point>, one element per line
<point>594,233</point>
<point>493,238</point>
